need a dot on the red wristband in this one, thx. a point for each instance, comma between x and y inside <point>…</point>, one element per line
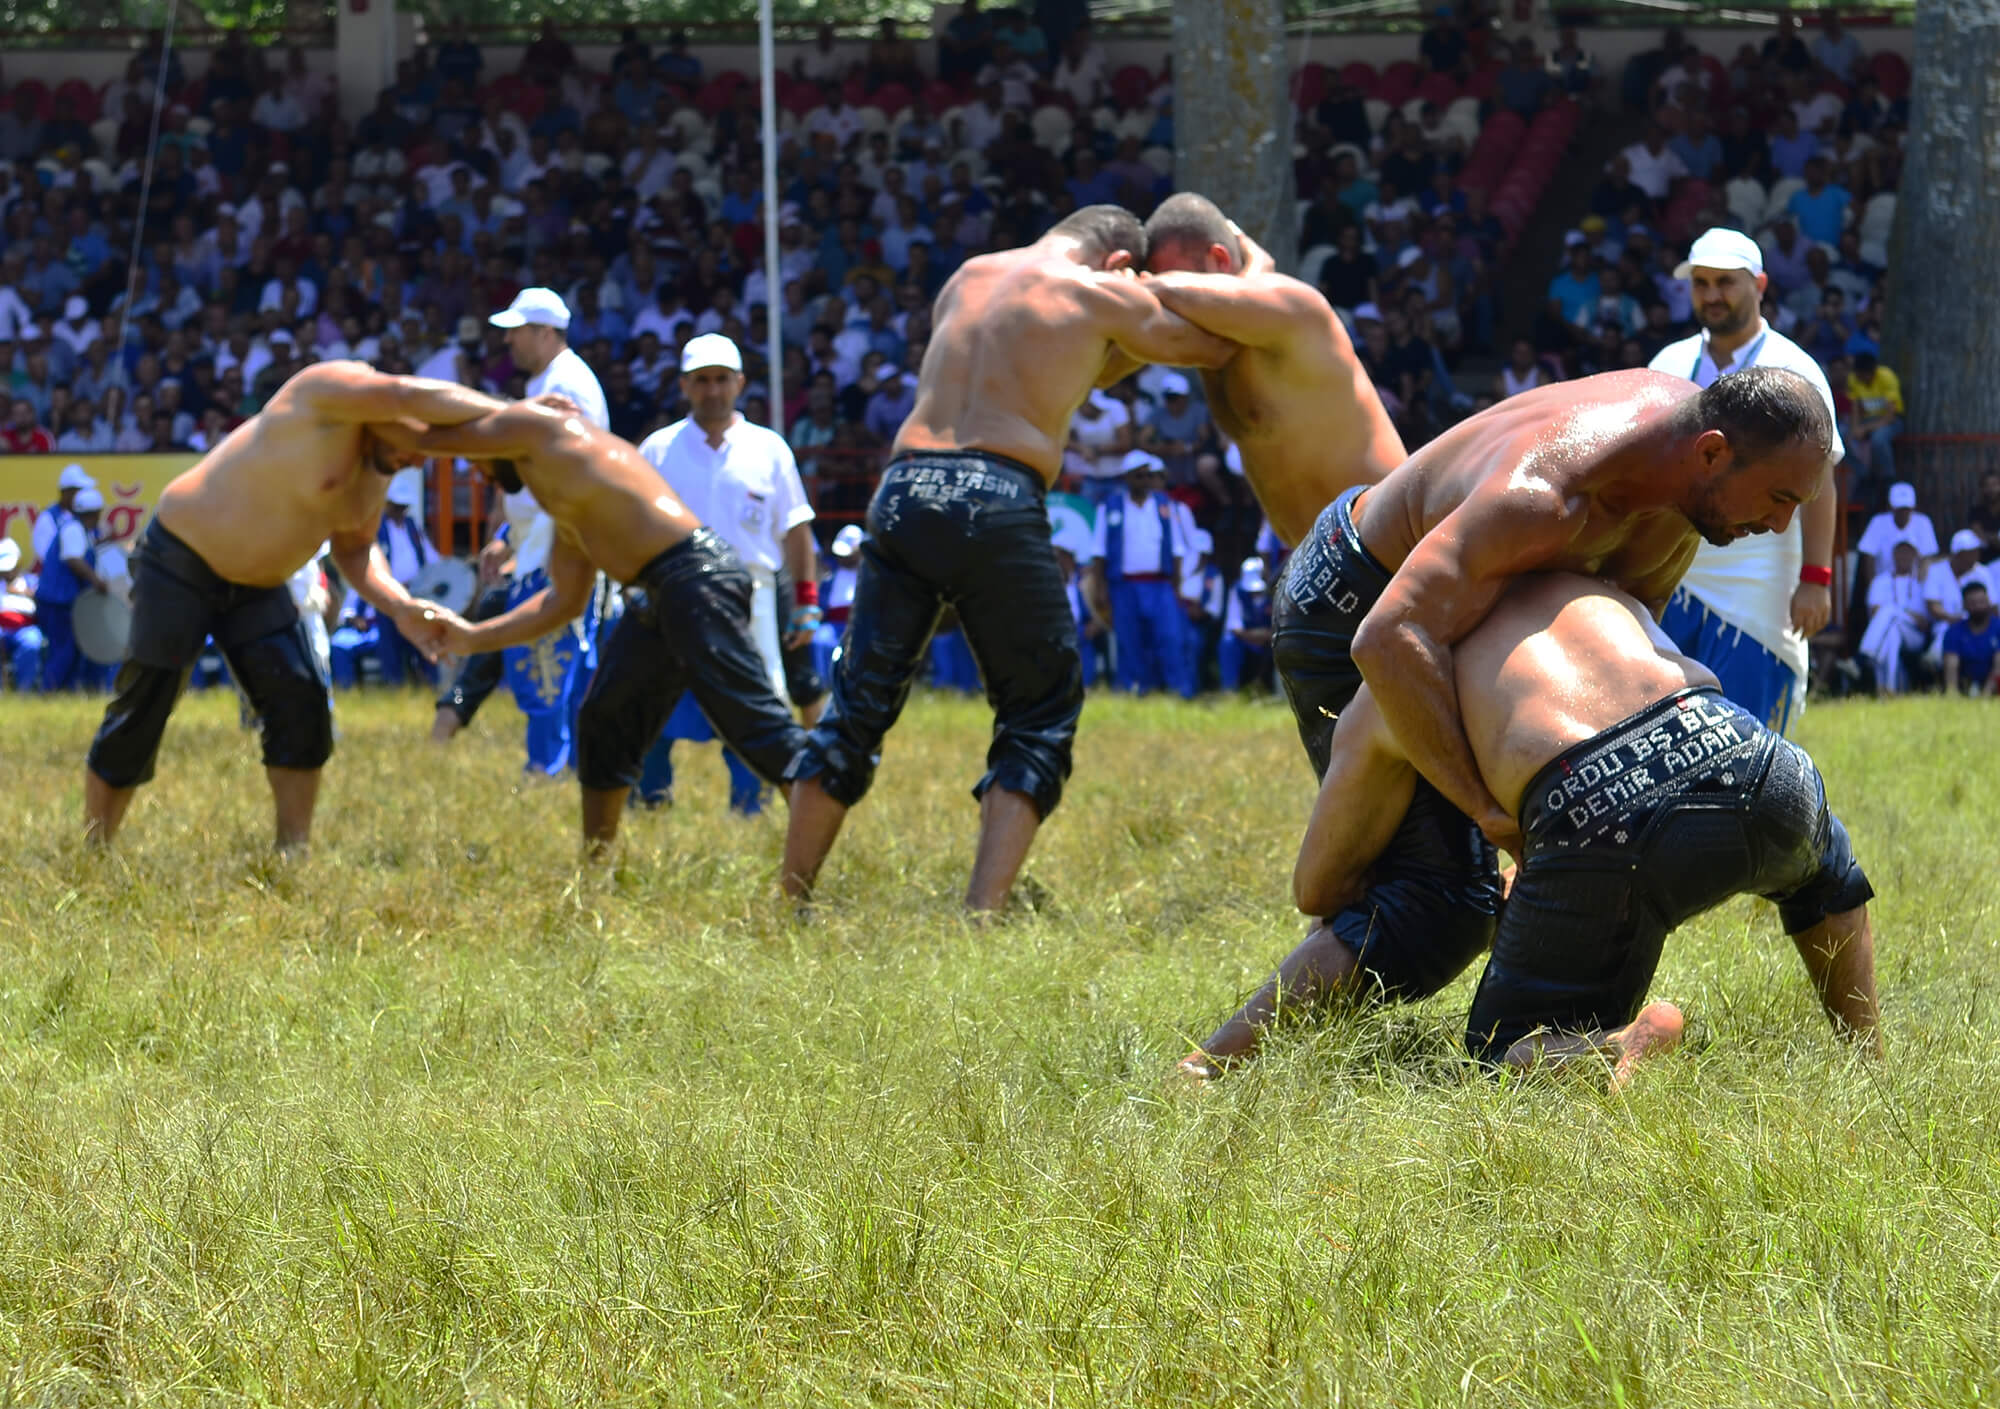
<point>806,594</point>
<point>1817,576</point>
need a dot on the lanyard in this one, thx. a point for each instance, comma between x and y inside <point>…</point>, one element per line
<point>1748,359</point>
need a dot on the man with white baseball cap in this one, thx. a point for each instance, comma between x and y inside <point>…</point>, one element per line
<point>68,570</point>
<point>50,520</point>
<point>1747,610</point>
<point>740,479</point>
<point>837,597</point>
<point>1133,584</point>
<point>548,676</point>
<point>1246,628</point>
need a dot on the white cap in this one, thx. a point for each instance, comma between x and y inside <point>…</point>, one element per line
<point>1409,256</point>
<point>1173,384</point>
<point>1966,541</point>
<point>30,331</point>
<point>711,350</point>
<point>847,542</point>
<point>87,501</point>
<point>1251,576</point>
<point>1204,541</point>
<point>1575,238</point>
<point>10,555</point>
<point>75,477</point>
<point>1137,460</point>
<point>1367,313</point>
<point>1722,249</point>
<point>75,308</point>
<point>543,306</point>
<point>1902,495</point>
<point>407,491</point>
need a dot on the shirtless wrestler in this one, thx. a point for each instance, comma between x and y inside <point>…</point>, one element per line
<point>958,520</point>
<point>686,625</point>
<point>1618,476</point>
<point>1295,400</point>
<point>1645,796</point>
<point>311,467</point>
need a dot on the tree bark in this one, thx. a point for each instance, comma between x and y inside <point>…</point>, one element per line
<point>1943,333</point>
<point>1233,118</point>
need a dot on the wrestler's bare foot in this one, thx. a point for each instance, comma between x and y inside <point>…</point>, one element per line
<point>1654,1033</point>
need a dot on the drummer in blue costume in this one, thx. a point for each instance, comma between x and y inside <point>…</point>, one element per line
<point>547,677</point>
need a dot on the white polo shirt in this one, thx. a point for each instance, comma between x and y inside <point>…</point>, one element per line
<point>1749,584</point>
<point>571,376</point>
<point>1149,545</point>
<point>747,489</point>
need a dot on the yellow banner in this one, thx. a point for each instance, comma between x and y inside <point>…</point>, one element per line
<point>129,483</point>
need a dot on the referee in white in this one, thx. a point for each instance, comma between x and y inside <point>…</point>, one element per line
<point>1747,611</point>
<point>741,481</point>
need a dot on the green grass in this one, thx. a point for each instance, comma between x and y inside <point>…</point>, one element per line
<point>437,1118</point>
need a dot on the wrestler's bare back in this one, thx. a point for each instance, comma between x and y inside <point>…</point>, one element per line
<point>603,495</point>
<point>1572,438</point>
<point>1018,340</point>
<point>1301,410</point>
<point>258,506</point>
<point>1560,659</point>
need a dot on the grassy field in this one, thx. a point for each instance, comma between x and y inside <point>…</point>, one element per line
<point>436,1118</point>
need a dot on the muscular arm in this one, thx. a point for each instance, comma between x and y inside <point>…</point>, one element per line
<point>571,577</point>
<point>362,567</point>
<point>1136,324</point>
<point>513,431</point>
<point>802,563</point>
<point>1443,589</point>
<point>1812,605</point>
<point>355,392</point>
<point>1257,311</point>
<point>1367,790</point>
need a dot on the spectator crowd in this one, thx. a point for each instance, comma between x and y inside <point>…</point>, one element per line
<point>270,231</point>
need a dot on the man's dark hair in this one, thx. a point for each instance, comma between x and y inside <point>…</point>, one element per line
<point>1103,230</point>
<point>1187,220</point>
<point>1763,409</point>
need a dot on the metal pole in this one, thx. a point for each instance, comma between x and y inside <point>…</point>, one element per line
<point>146,187</point>
<point>773,295</point>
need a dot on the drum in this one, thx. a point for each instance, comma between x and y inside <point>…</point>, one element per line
<point>450,582</point>
<point>103,625</point>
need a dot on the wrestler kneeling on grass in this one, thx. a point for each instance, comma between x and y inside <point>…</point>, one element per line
<point>1644,797</point>
<point>686,625</point>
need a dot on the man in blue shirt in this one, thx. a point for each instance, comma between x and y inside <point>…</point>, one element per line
<point>1699,149</point>
<point>1820,209</point>
<point>1972,644</point>
<point>1575,291</point>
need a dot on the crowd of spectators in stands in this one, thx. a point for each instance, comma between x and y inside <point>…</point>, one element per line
<point>276,232</point>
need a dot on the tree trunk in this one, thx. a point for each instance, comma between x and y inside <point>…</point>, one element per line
<point>1944,334</point>
<point>1233,117</point>
<point>1943,331</point>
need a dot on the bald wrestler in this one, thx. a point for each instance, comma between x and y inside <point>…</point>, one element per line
<point>311,467</point>
<point>1645,796</point>
<point>686,626</point>
<point>1295,400</point>
<point>1020,338</point>
<point>1618,476</point>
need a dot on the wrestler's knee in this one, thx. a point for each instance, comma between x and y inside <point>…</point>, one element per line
<point>297,720</point>
<point>1031,754</point>
<point>128,741</point>
<point>844,769</point>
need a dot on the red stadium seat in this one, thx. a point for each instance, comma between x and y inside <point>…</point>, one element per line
<point>891,98</point>
<point>939,95</point>
<point>82,99</point>
<point>855,90</point>
<point>1359,74</point>
<point>714,96</point>
<point>1130,87</point>
<point>1892,73</point>
<point>1484,82</point>
<point>798,99</point>
<point>1309,85</point>
<point>1393,88</point>
<point>1439,88</point>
